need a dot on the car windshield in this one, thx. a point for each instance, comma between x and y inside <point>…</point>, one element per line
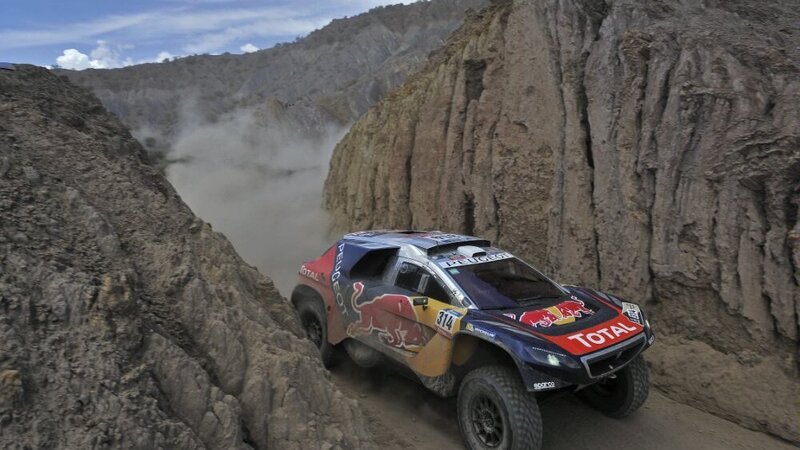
<point>505,283</point>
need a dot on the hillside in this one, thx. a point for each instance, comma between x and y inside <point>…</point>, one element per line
<point>649,149</point>
<point>125,321</point>
<point>330,76</point>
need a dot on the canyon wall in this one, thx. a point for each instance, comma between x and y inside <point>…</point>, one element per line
<point>126,321</point>
<point>646,148</point>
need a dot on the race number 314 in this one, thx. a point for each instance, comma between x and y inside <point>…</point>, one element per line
<point>446,320</point>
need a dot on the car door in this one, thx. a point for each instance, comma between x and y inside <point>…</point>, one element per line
<point>435,312</point>
<point>386,318</point>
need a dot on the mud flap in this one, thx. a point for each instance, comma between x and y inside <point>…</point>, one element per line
<point>443,385</point>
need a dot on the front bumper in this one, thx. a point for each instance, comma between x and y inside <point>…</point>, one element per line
<point>611,359</point>
<point>592,367</point>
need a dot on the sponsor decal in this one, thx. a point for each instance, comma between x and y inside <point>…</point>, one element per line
<point>308,273</point>
<point>484,332</point>
<point>603,335</point>
<point>632,312</point>
<point>462,260</point>
<point>544,385</point>
<point>511,315</point>
<point>391,316</point>
<point>479,330</point>
<point>446,320</point>
<point>336,274</point>
<point>597,337</point>
<point>445,237</point>
<point>562,313</point>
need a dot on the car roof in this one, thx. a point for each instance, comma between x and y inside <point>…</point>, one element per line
<point>429,241</point>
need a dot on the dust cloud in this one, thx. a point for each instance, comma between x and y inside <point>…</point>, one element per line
<point>258,180</point>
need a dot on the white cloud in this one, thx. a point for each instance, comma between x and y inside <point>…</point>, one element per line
<point>75,60</point>
<point>164,56</point>
<point>104,57</point>
<point>101,57</point>
<point>248,48</point>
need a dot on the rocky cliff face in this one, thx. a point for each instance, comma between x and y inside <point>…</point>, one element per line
<point>649,149</point>
<point>125,321</point>
<point>332,75</point>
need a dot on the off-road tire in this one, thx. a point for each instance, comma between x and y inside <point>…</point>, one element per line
<point>314,321</point>
<point>515,407</point>
<point>363,355</point>
<point>627,393</point>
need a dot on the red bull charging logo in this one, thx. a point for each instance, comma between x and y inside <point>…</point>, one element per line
<point>564,312</point>
<point>392,316</point>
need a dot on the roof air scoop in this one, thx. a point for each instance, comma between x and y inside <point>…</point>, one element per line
<point>471,251</point>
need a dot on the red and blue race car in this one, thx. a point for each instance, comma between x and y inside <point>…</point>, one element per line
<point>473,320</point>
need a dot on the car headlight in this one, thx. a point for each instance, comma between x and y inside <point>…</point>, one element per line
<point>552,358</point>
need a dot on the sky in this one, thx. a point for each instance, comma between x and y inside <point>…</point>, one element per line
<point>80,34</point>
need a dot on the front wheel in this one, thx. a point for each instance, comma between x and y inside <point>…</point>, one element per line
<point>495,411</point>
<point>314,322</point>
<point>621,393</point>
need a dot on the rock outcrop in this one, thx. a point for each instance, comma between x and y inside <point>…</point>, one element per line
<point>646,148</point>
<point>125,321</point>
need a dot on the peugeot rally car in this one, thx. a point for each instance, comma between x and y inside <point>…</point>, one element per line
<point>473,320</point>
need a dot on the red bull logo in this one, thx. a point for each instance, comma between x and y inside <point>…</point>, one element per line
<point>564,312</point>
<point>391,316</point>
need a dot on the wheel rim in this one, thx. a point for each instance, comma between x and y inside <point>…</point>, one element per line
<point>487,422</point>
<point>313,329</point>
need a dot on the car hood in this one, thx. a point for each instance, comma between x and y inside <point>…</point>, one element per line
<point>580,322</point>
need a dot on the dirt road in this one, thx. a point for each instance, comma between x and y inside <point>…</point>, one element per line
<point>404,415</point>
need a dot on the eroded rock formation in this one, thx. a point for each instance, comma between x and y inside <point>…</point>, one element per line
<point>646,148</point>
<point>125,321</point>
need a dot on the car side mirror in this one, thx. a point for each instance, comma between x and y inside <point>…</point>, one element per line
<point>421,301</point>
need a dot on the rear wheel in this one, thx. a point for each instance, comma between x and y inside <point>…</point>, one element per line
<point>495,411</point>
<point>363,355</point>
<point>314,322</point>
<point>622,393</point>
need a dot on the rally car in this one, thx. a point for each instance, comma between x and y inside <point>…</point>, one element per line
<point>472,320</point>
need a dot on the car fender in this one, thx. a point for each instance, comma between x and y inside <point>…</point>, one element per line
<point>336,329</point>
<point>534,380</point>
